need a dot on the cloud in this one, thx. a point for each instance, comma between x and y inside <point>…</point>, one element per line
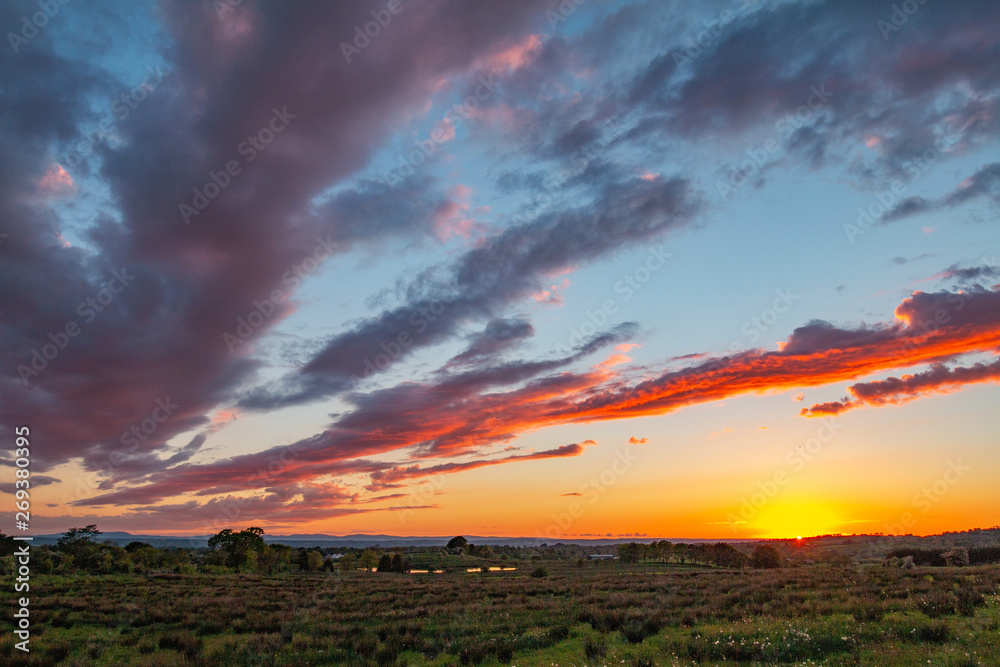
<point>983,184</point>
<point>504,269</point>
<point>637,441</point>
<point>581,109</point>
<point>499,336</point>
<point>897,391</point>
<point>162,336</point>
<point>465,412</point>
<point>398,474</point>
<point>970,274</point>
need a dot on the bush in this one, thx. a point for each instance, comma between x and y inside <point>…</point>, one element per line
<point>594,648</point>
<point>937,632</point>
<point>967,599</point>
<point>539,572</point>
<point>634,631</point>
<point>938,603</point>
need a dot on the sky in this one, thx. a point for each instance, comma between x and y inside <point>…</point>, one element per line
<point>557,270</point>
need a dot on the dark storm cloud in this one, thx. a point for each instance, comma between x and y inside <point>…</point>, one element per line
<point>227,77</point>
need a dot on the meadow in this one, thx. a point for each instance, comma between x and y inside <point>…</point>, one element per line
<point>543,613</point>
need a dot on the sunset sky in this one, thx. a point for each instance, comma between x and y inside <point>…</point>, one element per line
<point>665,269</point>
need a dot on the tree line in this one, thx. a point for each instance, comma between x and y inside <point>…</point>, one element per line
<point>720,554</point>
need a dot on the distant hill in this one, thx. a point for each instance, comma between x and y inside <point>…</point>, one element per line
<point>976,537</point>
<point>364,540</point>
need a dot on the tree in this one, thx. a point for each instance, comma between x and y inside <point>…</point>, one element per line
<point>6,545</point>
<point>82,545</point>
<point>765,556</point>
<point>238,547</point>
<point>275,558</point>
<point>458,542</point>
<point>368,560</point>
<point>385,563</point>
<point>315,560</point>
<point>76,537</point>
<point>132,547</point>
<point>347,562</point>
<point>400,563</point>
<point>957,557</point>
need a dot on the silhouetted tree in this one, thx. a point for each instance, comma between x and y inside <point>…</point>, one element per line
<point>765,556</point>
<point>242,549</point>
<point>82,545</point>
<point>385,563</point>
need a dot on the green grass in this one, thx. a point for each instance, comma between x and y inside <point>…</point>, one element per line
<point>592,615</point>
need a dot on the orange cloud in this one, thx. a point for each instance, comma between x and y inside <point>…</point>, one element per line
<point>896,391</point>
<point>464,413</point>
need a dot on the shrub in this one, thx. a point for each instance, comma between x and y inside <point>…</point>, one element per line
<point>868,610</point>
<point>937,632</point>
<point>473,654</point>
<point>967,599</point>
<point>937,603</point>
<point>186,643</point>
<point>539,572</point>
<point>505,650</point>
<point>636,630</point>
<point>594,648</point>
<point>765,556</point>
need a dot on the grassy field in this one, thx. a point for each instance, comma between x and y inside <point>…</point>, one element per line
<point>590,615</point>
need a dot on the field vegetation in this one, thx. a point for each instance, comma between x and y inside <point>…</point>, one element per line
<point>777,603</point>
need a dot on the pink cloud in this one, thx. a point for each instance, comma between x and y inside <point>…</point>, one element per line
<point>57,182</point>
